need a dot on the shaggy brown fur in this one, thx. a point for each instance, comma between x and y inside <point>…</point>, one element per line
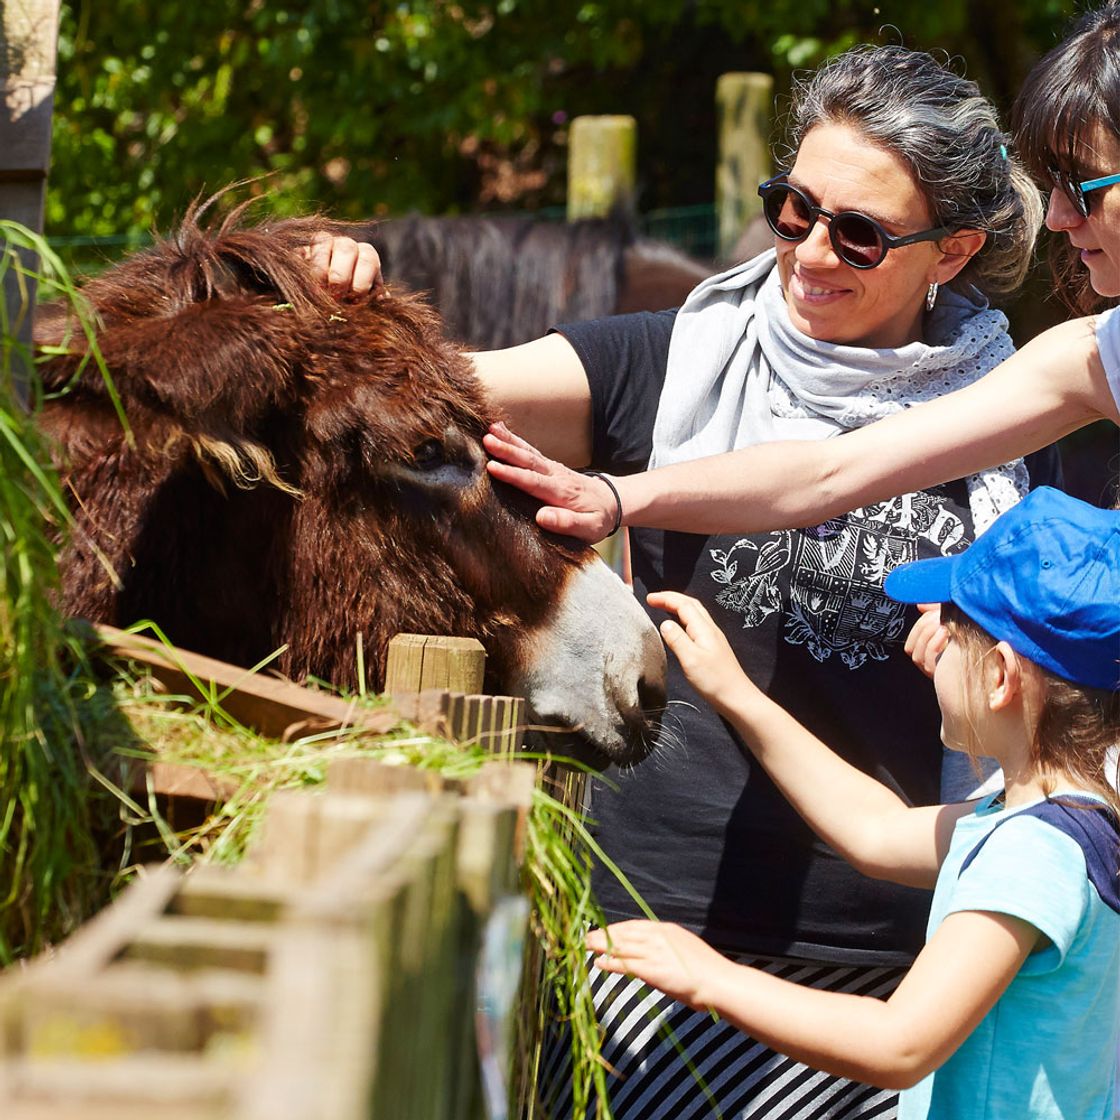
<point>298,471</point>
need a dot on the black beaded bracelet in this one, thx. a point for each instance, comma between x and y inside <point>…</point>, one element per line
<point>617,499</point>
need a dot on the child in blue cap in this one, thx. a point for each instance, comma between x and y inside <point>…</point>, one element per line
<point>1010,1010</point>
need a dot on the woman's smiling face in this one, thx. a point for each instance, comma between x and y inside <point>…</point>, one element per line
<point>829,300</point>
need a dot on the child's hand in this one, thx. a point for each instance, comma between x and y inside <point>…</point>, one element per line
<point>927,638</point>
<point>665,956</point>
<point>699,645</point>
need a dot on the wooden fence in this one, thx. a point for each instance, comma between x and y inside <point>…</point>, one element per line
<point>330,975</point>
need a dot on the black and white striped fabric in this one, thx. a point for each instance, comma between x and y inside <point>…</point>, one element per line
<point>732,1076</point>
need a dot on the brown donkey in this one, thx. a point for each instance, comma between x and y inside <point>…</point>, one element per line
<point>299,471</point>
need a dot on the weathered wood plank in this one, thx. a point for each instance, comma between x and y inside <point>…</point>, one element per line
<point>170,779</point>
<point>270,705</point>
<point>131,1007</point>
<point>226,892</point>
<point>28,46</point>
<point>154,1082</point>
<point>321,1027</point>
<point>191,943</point>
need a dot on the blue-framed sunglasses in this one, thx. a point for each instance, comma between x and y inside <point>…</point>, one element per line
<point>856,239</point>
<point>1077,192</point>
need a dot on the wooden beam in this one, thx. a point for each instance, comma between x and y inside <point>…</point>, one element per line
<point>421,662</point>
<point>744,105</point>
<point>28,47</point>
<point>602,166</point>
<point>270,705</point>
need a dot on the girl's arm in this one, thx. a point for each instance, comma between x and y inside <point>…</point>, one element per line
<point>957,978</point>
<point>1051,387</point>
<point>867,823</point>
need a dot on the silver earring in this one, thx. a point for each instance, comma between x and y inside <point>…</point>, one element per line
<point>931,297</point>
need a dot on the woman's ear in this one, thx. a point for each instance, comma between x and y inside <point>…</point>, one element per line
<point>1004,680</point>
<point>956,251</point>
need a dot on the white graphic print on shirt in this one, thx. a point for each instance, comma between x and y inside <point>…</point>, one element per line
<point>835,593</point>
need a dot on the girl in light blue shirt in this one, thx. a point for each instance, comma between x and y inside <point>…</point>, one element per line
<point>1010,1011</point>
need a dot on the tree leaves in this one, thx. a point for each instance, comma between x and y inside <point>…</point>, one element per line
<point>365,107</point>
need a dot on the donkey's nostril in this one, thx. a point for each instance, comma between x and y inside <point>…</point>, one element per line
<point>651,693</point>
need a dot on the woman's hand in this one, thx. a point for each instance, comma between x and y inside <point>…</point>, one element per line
<point>702,650</point>
<point>927,638</point>
<point>665,956</point>
<point>345,264</point>
<point>577,505</point>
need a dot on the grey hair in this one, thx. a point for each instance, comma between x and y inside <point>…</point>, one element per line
<point>948,134</point>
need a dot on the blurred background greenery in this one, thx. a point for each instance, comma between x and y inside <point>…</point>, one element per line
<point>363,107</point>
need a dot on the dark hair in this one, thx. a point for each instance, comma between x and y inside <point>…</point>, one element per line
<point>947,132</point>
<point>1071,91</point>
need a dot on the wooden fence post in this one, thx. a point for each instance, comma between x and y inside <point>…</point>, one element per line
<point>422,662</point>
<point>743,106</point>
<point>602,171</point>
<point>436,682</point>
<point>602,157</point>
<point>28,46</point>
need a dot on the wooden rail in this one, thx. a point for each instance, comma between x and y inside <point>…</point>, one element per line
<point>331,975</point>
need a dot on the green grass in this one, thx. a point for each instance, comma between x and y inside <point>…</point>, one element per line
<point>558,856</point>
<point>51,875</point>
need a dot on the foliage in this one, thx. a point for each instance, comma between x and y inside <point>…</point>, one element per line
<point>50,703</point>
<point>366,106</point>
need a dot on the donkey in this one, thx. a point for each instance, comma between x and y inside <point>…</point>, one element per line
<point>298,471</point>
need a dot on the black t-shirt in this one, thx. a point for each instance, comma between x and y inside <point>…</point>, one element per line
<point>699,829</point>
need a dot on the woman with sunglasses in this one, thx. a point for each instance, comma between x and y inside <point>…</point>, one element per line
<point>1067,125</point>
<point>901,211</point>
<point>900,207</point>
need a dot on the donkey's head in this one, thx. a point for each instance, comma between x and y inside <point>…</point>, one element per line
<point>300,471</point>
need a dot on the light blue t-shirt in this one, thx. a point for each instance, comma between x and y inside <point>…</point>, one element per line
<point>1047,1049</point>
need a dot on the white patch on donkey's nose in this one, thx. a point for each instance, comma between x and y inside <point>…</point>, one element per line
<point>597,665</point>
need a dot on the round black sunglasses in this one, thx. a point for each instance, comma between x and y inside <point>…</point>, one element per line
<point>856,239</point>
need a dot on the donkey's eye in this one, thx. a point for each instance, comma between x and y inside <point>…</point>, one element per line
<point>429,454</point>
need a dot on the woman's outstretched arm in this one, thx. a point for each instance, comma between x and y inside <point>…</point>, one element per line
<point>1051,387</point>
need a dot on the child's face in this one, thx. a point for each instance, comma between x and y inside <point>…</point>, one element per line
<point>954,685</point>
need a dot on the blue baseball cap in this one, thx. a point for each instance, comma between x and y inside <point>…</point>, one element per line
<point>1045,578</point>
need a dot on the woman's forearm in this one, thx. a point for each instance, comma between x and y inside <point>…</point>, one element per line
<point>542,388</point>
<point>771,486</point>
<point>1053,386</point>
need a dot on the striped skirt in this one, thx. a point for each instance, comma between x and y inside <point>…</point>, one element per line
<point>672,1063</point>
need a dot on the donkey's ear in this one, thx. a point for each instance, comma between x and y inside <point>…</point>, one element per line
<point>236,357</point>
